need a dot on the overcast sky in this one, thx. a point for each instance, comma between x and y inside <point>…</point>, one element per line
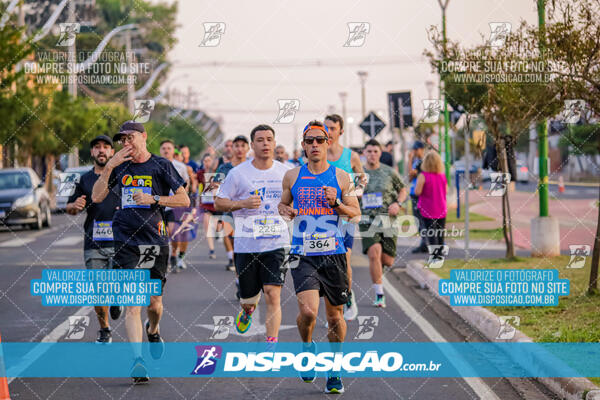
<point>275,34</point>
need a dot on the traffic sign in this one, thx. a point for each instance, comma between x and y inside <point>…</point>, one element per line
<point>372,125</point>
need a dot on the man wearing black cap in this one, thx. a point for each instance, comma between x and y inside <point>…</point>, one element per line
<point>142,182</point>
<point>98,249</point>
<point>418,149</point>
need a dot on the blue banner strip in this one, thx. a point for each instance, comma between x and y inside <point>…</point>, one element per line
<point>219,359</point>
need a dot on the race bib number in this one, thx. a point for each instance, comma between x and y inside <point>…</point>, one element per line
<point>372,200</point>
<point>267,228</point>
<point>127,196</point>
<point>319,243</point>
<point>102,231</point>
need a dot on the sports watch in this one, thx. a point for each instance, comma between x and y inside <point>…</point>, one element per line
<point>156,198</point>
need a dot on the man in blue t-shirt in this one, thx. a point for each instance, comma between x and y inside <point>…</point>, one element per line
<point>142,182</point>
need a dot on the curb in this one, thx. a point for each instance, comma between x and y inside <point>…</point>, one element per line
<point>488,324</point>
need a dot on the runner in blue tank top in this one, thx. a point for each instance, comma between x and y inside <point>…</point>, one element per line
<point>316,196</point>
<point>349,161</point>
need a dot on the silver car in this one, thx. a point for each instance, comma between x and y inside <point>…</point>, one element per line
<point>23,199</point>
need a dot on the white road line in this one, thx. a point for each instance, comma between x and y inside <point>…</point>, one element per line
<point>68,241</point>
<point>477,384</point>
<point>17,242</point>
<point>58,333</point>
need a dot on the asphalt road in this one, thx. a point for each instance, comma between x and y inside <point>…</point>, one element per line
<point>194,296</point>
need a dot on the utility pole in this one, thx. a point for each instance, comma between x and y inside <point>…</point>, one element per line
<point>343,97</point>
<point>542,127</point>
<point>72,57</point>
<point>362,75</point>
<point>443,6</point>
<point>130,60</point>
<point>545,230</point>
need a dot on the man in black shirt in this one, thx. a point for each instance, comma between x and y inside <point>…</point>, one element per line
<point>98,249</point>
<point>142,182</point>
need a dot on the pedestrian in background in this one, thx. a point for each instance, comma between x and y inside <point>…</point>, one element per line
<point>431,189</point>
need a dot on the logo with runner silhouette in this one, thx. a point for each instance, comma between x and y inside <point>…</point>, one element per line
<point>222,323</point>
<point>499,31</point>
<point>77,325</point>
<point>68,33</point>
<point>579,252</point>
<point>213,31</point>
<point>357,34</point>
<point>366,326</point>
<point>437,255</point>
<point>148,255</point>
<point>508,324</point>
<point>143,110</point>
<point>287,110</point>
<point>68,181</point>
<point>207,359</point>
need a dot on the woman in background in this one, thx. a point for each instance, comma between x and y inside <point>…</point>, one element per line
<point>431,189</point>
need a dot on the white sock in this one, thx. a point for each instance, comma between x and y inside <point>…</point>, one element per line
<point>230,255</point>
<point>378,288</point>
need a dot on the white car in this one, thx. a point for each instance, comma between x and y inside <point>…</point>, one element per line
<point>522,172</point>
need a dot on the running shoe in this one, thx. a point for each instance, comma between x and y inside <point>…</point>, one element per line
<point>230,266</point>
<point>351,308</point>
<point>379,301</point>
<point>173,264</point>
<point>334,385</point>
<point>243,322</point>
<point>181,264</point>
<point>157,344</point>
<point>115,311</point>
<point>309,376</point>
<point>104,336</point>
<point>138,372</point>
<point>212,255</point>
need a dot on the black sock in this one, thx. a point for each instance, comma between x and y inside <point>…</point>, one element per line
<point>181,254</point>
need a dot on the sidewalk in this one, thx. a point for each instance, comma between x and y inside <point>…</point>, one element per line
<point>577,217</point>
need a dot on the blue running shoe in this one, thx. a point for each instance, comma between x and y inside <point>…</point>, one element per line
<point>334,385</point>
<point>309,376</point>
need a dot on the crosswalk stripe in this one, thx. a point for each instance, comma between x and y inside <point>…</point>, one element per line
<point>69,241</point>
<point>17,242</point>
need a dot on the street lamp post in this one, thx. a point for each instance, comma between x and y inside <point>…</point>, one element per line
<point>343,97</point>
<point>429,85</point>
<point>362,75</point>
<point>443,5</point>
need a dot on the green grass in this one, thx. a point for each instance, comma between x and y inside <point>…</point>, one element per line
<point>575,319</point>
<point>473,217</point>
<point>486,234</point>
<point>451,217</point>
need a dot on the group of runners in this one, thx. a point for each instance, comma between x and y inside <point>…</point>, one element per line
<point>273,214</point>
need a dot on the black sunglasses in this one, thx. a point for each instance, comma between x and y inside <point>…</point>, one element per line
<point>319,139</point>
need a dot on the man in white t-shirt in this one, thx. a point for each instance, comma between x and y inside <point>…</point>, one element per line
<point>252,191</point>
<point>167,150</point>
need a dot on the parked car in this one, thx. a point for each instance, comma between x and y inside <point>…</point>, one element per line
<point>522,172</point>
<point>23,198</point>
<point>61,201</point>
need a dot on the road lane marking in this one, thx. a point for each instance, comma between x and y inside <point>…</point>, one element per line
<point>477,384</point>
<point>68,241</point>
<point>58,333</point>
<point>17,242</point>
